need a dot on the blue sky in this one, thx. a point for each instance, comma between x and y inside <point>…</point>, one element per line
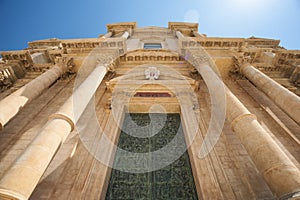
<point>28,20</point>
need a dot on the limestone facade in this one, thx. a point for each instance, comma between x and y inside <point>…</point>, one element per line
<point>60,98</point>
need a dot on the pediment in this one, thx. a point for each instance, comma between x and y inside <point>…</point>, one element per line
<point>167,77</point>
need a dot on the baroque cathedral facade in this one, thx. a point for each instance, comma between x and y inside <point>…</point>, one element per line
<point>150,113</point>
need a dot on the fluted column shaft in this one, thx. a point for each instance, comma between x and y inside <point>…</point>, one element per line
<point>12,104</point>
<point>285,99</point>
<point>279,172</point>
<point>21,179</point>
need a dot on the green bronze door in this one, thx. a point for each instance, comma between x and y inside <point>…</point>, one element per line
<point>174,181</point>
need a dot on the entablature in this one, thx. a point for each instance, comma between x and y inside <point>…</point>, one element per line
<point>262,42</point>
<point>85,46</point>
<point>48,43</point>
<point>121,27</point>
<point>289,54</point>
<point>15,55</point>
<point>185,28</point>
<point>155,32</point>
<point>21,56</point>
<point>215,43</point>
<point>227,43</point>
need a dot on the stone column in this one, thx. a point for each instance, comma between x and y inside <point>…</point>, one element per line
<point>13,103</point>
<point>285,99</point>
<point>179,35</point>
<point>107,35</point>
<point>125,35</point>
<point>279,172</point>
<point>21,179</point>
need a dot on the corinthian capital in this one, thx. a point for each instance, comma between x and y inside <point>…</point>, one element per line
<point>67,63</point>
<point>109,60</point>
<point>241,60</point>
<point>105,59</point>
<point>196,57</point>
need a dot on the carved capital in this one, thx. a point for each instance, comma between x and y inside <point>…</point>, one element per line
<point>196,57</point>
<point>241,60</point>
<point>109,60</point>
<point>67,63</point>
<point>70,65</point>
<point>238,62</point>
<point>105,59</point>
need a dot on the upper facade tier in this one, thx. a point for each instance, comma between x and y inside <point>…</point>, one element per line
<point>126,37</point>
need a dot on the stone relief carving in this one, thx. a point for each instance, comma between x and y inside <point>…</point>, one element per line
<point>152,73</point>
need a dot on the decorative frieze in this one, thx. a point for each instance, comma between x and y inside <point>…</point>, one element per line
<point>212,42</point>
<point>22,57</point>
<point>150,55</point>
<point>284,57</point>
<point>87,46</point>
<point>227,43</point>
